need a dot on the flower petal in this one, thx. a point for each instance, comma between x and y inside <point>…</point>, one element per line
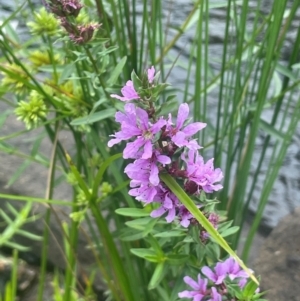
<point>158,212</point>
<point>193,128</point>
<point>209,273</point>
<point>191,282</point>
<point>183,113</point>
<point>151,73</point>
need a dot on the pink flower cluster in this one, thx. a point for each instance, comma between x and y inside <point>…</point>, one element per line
<point>229,269</point>
<point>153,142</point>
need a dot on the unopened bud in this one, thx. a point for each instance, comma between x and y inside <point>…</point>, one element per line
<point>84,33</point>
<point>64,8</point>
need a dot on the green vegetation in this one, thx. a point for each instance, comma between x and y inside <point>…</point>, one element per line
<point>60,80</point>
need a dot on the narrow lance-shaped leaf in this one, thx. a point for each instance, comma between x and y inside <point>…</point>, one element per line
<point>117,71</point>
<point>101,171</point>
<point>189,204</point>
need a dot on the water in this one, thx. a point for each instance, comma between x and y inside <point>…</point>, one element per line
<point>285,194</point>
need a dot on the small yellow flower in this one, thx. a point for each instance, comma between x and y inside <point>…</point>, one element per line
<point>106,189</point>
<point>78,216</point>
<point>15,78</point>
<point>81,199</point>
<point>71,179</point>
<point>44,22</point>
<point>33,111</point>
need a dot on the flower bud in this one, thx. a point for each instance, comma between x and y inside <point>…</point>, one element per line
<point>64,8</point>
<point>84,33</point>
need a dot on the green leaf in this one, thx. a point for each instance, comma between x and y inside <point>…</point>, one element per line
<point>150,225</point>
<point>136,81</point>
<point>131,235</point>
<point>29,235</point>
<point>212,252</point>
<point>286,72</point>
<point>36,200</point>
<point>146,254</point>
<point>269,129</point>
<point>19,171</point>
<point>159,88</point>
<point>168,107</point>
<point>157,276</point>
<point>250,289</point>
<point>177,259</point>
<point>189,204</point>
<point>229,231</point>
<point>67,71</point>
<point>174,233</point>
<point>107,51</point>
<point>101,171</point>
<point>223,226</point>
<point>132,212</point>
<point>116,72</point>
<point>296,66</point>
<point>140,223</point>
<point>94,117</point>
<point>14,245</point>
<point>134,234</point>
<point>97,104</point>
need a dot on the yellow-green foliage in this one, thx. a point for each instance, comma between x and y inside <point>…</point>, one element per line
<point>40,58</point>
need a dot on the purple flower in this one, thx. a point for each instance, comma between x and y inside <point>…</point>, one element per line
<point>184,216</point>
<point>200,175</point>
<point>218,275</point>
<point>135,123</point>
<point>63,8</point>
<point>145,139</point>
<point>199,289</point>
<point>145,193</point>
<point>169,203</point>
<point>144,176</point>
<point>181,135</point>
<point>228,268</point>
<point>146,170</point>
<point>215,295</point>
<point>128,92</point>
<point>83,33</point>
<point>151,73</point>
<point>128,125</point>
<point>233,269</point>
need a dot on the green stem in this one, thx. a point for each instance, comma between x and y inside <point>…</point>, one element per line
<point>113,253</point>
<point>48,196</point>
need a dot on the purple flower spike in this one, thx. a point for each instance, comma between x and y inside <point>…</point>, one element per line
<point>199,288</point>
<point>128,92</point>
<point>151,73</point>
